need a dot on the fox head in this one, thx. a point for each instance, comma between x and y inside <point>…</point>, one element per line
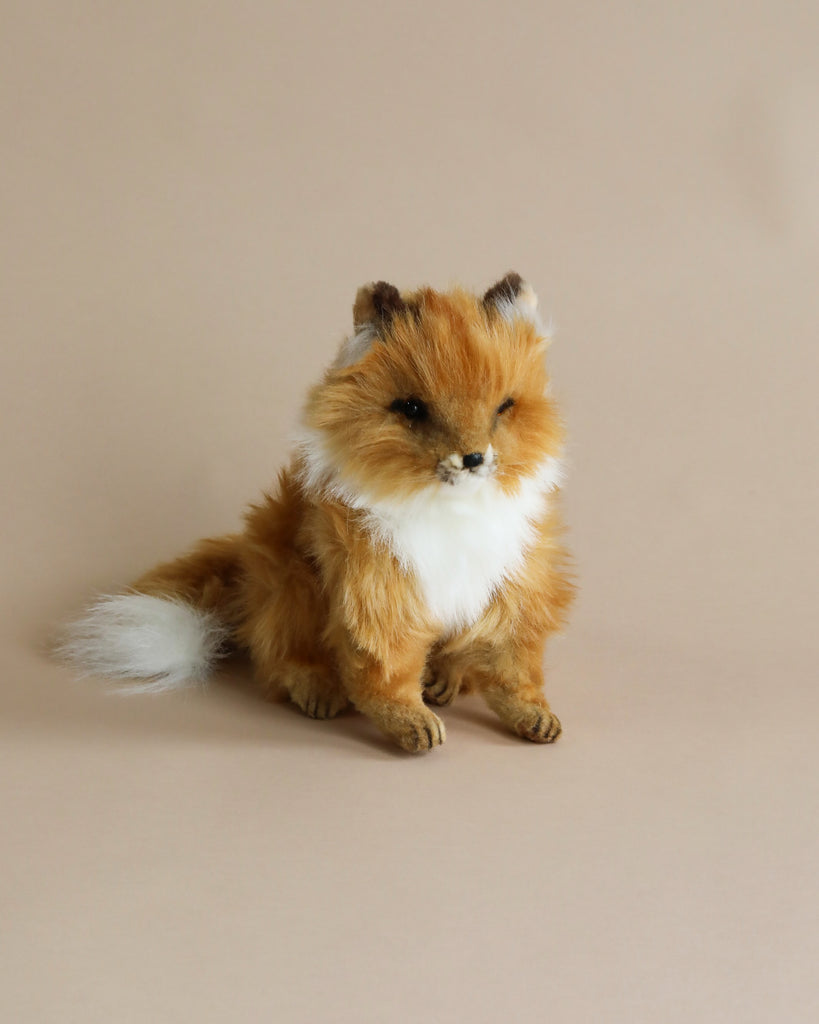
<point>435,390</point>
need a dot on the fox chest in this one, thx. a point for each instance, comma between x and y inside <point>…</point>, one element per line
<point>459,555</point>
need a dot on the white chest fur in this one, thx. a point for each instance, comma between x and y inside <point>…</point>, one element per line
<point>459,542</point>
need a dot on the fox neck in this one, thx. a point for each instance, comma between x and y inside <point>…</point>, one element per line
<point>460,543</point>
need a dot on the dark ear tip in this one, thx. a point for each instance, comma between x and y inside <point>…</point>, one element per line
<point>387,300</point>
<point>508,288</point>
<point>386,290</point>
<point>377,303</point>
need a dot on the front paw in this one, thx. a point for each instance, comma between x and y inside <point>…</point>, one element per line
<point>538,725</point>
<point>417,730</point>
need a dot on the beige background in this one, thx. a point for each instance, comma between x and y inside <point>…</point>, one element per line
<point>191,194</point>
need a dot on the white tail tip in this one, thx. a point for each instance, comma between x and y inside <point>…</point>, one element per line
<point>163,642</point>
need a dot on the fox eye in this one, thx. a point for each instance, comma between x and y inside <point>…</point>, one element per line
<point>506,404</point>
<point>412,408</point>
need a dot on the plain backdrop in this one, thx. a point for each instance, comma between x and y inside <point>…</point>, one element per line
<point>190,195</point>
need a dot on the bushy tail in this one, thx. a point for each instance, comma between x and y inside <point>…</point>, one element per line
<point>169,628</point>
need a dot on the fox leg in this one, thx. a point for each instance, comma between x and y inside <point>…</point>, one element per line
<point>524,709</point>
<point>283,635</point>
<point>512,685</point>
<point>388,692</point>
<point>516,695</point>
<point>508,676</point>
<point>313,686</point>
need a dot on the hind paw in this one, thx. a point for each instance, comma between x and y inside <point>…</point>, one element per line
<point>318,695</point>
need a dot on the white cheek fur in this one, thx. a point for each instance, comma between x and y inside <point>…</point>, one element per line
<point>460,542</point>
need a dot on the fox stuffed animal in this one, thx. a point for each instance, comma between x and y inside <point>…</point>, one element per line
<point>410,550</point>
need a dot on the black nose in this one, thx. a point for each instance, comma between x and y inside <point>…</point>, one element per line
<point>472,460</point>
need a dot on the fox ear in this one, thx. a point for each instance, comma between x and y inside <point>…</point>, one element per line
<point>511,297</point>
<point>377,304</point>
<point>374,307</point>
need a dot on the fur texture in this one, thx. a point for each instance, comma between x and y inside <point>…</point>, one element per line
<point>411,549</point>
<point>164,642</point>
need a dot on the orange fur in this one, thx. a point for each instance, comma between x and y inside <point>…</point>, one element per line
<point>324,606</point>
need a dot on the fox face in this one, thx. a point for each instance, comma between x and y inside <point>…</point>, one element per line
<point>443,392</point>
